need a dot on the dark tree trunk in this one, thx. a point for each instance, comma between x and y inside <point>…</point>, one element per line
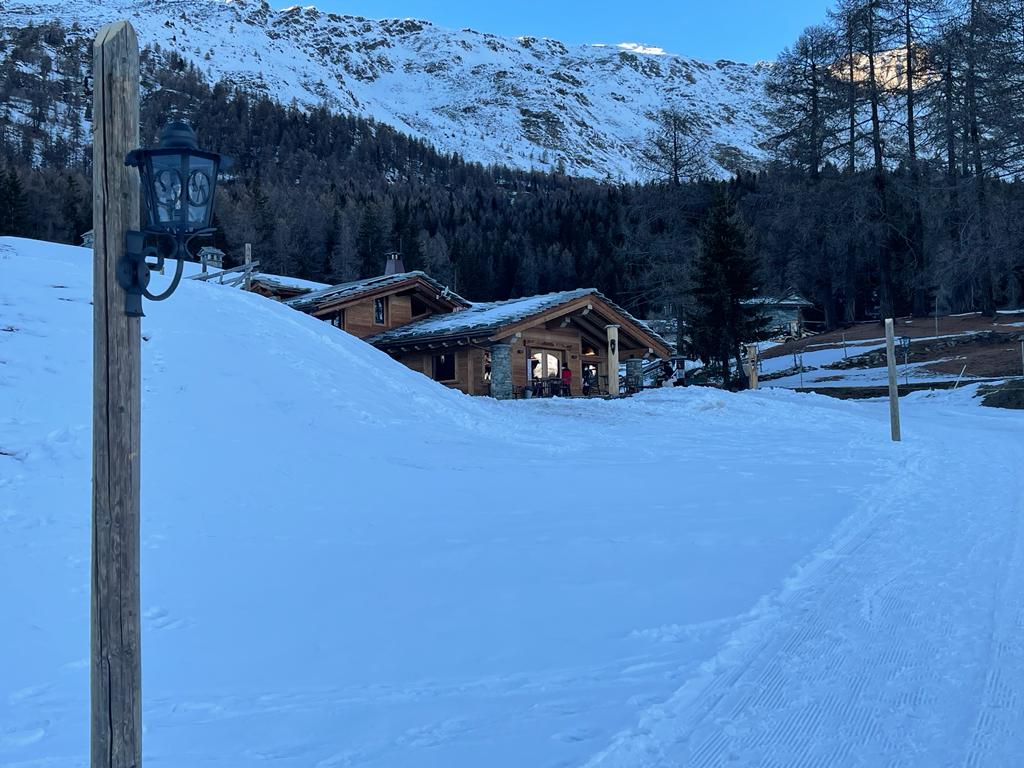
<point>881,207</point>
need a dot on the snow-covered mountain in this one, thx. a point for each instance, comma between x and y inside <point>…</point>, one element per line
<point>524,102</point>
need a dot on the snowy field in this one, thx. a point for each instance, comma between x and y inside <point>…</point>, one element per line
<point>345,564</point>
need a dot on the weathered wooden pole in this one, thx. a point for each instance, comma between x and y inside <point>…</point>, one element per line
<point>894,391</point>
<point>248,267</point>
<point>612,351</point>
<point>752,362</point>
<point>116,671</point>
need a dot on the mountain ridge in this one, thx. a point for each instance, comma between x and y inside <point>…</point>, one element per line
<point>525,102</point>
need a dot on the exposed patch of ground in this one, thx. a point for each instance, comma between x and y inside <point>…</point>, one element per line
<point>1009,394</point>
<point>863,393</point>
<point>861,334</point>
<point>970,345</point>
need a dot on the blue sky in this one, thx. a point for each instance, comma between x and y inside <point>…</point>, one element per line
<point>742,30</point>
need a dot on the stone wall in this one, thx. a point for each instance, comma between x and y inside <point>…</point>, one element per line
<point>501,372</point>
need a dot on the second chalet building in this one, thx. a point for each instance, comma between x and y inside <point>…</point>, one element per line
<point>495,348</point>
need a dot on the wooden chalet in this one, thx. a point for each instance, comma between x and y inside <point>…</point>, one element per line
<point>502,348</point>
<point>369,307</point>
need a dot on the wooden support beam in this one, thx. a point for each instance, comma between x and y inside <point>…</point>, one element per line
<point>116,660</point>
<point>594,328</point>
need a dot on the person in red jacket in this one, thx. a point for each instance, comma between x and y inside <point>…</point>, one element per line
<point>566,381</point>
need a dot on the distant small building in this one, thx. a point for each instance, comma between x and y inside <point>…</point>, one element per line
<point>211,257</point>
<point>785,313</point>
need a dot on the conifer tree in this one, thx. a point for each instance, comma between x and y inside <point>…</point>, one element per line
<point>724,277</point>
<point>13,205</point>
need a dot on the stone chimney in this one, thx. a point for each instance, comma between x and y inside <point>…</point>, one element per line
<point>394,265</point>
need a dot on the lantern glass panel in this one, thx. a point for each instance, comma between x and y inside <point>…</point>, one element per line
<point>167,186</point>
<point>199,191</point>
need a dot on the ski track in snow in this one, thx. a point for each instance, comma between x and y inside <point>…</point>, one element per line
<point>875,655</point>
<point>775,585</point>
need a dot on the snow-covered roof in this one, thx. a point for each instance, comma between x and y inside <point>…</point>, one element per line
<point>788,300</point>
<point>349,290</point>
<point>294,283</point>
<point>488,317</point>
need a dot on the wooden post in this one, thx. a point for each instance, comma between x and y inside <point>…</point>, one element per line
<point>612,333</point>
<point>248,267</point>
<point>116,668</point>
<point>752,360</point>
<point>894,392</point>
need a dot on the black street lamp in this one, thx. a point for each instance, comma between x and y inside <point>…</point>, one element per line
<point>178,185</point>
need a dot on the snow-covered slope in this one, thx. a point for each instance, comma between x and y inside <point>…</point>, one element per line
<point>525,102</point>
<point>346,564</point>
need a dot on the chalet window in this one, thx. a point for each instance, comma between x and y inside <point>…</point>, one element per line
<point>380,311</point>
<point>444,366</point>
<point>419,307</point>
<point>338,319</point>
<point>545,364</point>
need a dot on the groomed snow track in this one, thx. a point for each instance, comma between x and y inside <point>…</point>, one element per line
<point>901,644</point>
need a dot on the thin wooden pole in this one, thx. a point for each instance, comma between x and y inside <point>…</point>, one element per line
<point>248,266</point>
<point>894,392</point>
<point>116,669</point>
<point>752,361</point>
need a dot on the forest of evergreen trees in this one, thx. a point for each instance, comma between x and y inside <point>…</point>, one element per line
<point>891,187</point>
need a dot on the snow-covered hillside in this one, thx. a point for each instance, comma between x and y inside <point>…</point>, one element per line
<point>346,564</point>
<point>524,102</point>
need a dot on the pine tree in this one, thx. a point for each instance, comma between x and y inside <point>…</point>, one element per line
<point>370,243</point>
<point>13,205</point>
<point>724,277</point>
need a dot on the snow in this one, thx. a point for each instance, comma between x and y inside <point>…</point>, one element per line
<point>490,315</point>
<point>346,564</point>
<point>482,315</point>
<point>355,287</point>
<point>288,281</point>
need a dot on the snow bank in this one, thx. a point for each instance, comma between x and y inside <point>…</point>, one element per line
<point>345,563</point>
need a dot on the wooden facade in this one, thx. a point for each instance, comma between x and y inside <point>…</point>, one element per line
<point>572,334</point>
<point>367,308</point>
